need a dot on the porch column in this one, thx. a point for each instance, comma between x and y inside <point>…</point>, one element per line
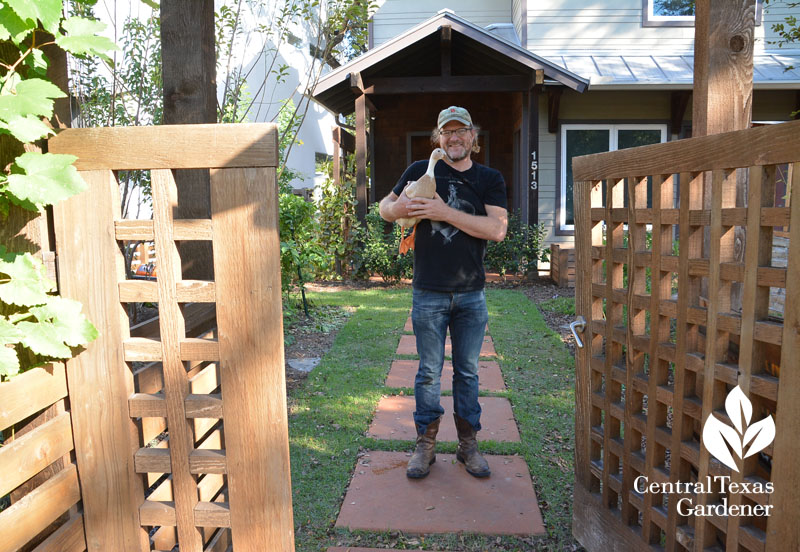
<point>530,117</point>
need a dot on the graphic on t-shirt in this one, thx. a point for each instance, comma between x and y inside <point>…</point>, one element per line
<point>447,230</point>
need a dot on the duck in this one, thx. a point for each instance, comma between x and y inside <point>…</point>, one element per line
<point>425,186</point>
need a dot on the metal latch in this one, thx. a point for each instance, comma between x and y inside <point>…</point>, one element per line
<point>578,326</point>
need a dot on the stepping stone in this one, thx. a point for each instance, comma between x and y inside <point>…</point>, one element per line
<point>303,364</point>
<point>353,549</point>
<point>409,327</point>
<point>394,420</point>
<point>381,498</point>
<point>403,372</point>
<point>408,346</point>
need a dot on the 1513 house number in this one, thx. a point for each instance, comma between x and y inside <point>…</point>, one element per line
<point>534,171</point>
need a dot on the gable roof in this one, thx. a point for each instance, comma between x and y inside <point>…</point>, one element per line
<point>416,53</point>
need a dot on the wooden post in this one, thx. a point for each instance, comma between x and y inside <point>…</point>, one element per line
<point>533,155</point>
<point>99,379</point>
<point>190,96</point>
<point>361,157</point>
<point>250,324</point>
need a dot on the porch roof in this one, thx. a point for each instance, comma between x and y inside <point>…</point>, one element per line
<point>413,63</point>
<point>634,70</point>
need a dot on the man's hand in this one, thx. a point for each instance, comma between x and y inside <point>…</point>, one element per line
<point>432,209</point>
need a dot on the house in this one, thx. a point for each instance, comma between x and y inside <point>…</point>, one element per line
<point>546,80</point>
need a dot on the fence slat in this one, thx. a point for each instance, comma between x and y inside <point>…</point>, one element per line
<point>90,265</point>
<point>176,382</point>
<point>36,510</point>
<point>246,267</point>
<point>169,146</point>
<point>30,392</point>
<point>782,532</point>
<point>26,456</point>
<point>67,538</point>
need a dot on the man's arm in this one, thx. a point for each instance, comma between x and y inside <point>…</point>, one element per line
<point>493,226</point>
<point>393,207</point>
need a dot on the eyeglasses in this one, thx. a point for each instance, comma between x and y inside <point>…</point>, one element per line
<point>460,132</point>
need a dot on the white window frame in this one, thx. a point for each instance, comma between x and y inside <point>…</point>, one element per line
<point>612,144</point>
<point>649,19</point>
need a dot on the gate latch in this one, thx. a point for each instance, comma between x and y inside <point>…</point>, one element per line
<point>578,326</point>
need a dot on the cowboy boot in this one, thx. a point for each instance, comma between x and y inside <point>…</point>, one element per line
<point>467,452</point>
<point>424,454</point>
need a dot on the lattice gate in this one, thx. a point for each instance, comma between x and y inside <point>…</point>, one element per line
<point>673,326</point>
<point>181,434</point>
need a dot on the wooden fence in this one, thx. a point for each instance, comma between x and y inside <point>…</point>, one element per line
<point>179,424</point>
<point>659,359</point>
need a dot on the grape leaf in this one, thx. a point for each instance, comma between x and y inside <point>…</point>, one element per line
<point>24,283</point>
<point>46,178</point>
<point>26,129</point>
<point>46,11</point>
<point>37,63</point>
<point>9,334</point>
<point>42,338</point>
<point>71,325</point>
<point>29,97</point>
<point>13,27</point>
<point>9,363</point>
<point>82,38</point>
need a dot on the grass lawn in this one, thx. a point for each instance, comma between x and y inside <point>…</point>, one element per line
<point>330,414</point>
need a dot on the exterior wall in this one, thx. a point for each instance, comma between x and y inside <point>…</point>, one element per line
<point>561,25</point>
<point>518,16</point>
<point>404,114</point>
<point>397,16</point>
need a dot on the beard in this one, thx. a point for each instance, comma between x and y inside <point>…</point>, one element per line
<point>466,149</point>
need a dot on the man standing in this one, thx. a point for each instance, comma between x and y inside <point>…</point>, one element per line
<point>468,209</point>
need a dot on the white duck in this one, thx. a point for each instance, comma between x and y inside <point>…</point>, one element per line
<point>425,186</point>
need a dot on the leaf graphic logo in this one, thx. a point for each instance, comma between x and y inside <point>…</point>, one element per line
<point>718,436</point>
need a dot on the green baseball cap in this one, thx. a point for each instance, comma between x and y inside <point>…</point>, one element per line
<point>454,113</point>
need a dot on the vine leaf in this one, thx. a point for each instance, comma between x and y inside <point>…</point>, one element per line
<point>25,283</point>
<point>70,324</point>
<point>29,97</point>
<point>82,38</point>
<point>42,338</point>
<point>9,333</point>
<point>44,178</point>
<point>9,363</point>
<point>26,129</point>
<point>13,27</point>
<point>46,11</point>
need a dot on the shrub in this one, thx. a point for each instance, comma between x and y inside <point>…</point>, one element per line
<point>337,224</point>
<point>520,252</point>
<point>379,251</point>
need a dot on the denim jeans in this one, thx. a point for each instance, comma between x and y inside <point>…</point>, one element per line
<point>466,315</point>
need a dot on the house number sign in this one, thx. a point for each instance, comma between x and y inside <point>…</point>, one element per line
<point>534,172</point>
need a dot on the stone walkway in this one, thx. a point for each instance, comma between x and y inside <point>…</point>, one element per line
<point>449,500</point>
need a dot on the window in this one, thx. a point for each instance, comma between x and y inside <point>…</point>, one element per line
<point>675,13</point>
<point>577,140</point>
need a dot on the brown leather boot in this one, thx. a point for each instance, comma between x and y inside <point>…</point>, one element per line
<point>424,454</point>
<point>467,452</point>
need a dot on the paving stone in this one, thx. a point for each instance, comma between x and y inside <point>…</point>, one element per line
<point>408,346</point>
<point>403,372</point>
<point>380,497</point>
<point>394,420</point>
<point>304,364</point>
<point>353,549</point>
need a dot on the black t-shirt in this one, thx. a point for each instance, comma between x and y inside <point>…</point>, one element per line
<point>446,258</point>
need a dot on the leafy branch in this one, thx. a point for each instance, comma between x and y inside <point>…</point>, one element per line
<point>37,326</point>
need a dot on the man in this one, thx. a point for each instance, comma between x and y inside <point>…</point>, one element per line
<point>468,209</point>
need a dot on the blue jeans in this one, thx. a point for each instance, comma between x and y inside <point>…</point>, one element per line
<point>466,315</point>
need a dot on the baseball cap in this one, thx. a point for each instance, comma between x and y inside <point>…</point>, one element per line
<point>454,113</point>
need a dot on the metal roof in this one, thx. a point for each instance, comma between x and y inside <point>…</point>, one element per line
<point>636,70</point>
<point>416,53</point>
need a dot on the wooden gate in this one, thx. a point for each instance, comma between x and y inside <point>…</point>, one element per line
<point>180,427</point>
<point>665,344</point>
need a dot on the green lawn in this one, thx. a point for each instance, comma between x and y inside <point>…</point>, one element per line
<point>331,412</point>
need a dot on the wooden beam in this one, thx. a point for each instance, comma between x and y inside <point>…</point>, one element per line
<point>419,85</point>
<point>357,87</point>
<point>190,96</point>
<point>553,105</point>
<point>446,43</point>
<point>533,156</point>
<point>361,157</point>
<point>345,140</point>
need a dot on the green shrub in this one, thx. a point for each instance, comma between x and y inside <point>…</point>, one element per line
<point>337,225</point>
<point>520,252</point>
<point>379,253</point>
